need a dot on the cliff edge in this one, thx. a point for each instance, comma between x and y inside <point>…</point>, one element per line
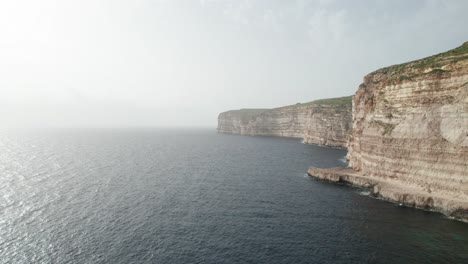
<point>410,129</point>
<point>325,122</point>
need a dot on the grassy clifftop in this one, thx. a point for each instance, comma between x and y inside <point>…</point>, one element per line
<point>441,63</point>
<point>345,100</point>
<point>338,101</point>
<point>246,113</point>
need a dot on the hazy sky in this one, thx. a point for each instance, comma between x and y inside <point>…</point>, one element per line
<point>179,63</point>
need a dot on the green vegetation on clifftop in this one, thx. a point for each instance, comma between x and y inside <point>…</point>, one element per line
<point>338,101</point>
<point>432,65</point>
<point>246,114</point>
<point>345,100</point>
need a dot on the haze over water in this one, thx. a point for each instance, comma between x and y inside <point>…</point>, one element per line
<point>194,196</point>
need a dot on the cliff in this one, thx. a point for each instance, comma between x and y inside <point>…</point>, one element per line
<point>410,130</point>
<point>325,122</point>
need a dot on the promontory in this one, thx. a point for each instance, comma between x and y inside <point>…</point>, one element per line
<point>409,141</point>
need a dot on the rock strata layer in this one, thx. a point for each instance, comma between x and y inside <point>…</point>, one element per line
<point>325,122</point>
<point>410,128</point>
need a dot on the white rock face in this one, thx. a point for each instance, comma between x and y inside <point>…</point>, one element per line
<point>325,124</point>
<point>454,123</point>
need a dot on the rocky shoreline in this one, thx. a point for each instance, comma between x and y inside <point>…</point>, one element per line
<point>396,192</point>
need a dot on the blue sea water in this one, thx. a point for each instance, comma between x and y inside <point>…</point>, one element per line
<point>194,196</point>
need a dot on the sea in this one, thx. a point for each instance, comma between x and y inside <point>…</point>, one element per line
<point>195,196</point>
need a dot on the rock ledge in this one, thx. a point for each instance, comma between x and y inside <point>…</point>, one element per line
<point>394,191</point>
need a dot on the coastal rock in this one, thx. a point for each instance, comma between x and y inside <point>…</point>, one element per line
<point>325,122</point>
<point>410,133</point>
<point>395,191</point>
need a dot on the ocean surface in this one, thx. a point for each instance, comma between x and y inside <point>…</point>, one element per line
<point>194,196</point>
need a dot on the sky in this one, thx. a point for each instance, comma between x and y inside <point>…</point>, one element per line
<point>156,63</point>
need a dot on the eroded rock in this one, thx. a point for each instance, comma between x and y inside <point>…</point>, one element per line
<point>325,122</point>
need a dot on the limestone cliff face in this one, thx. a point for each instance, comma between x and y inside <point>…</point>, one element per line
<point>325,122</point>
<point>410,125</point>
